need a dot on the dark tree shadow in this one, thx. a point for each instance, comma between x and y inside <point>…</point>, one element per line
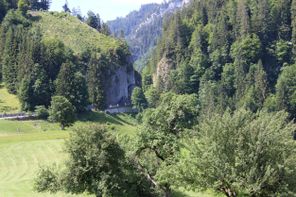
<point>100,117</point>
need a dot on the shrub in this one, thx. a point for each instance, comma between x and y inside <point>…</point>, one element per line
<point>47,180</point>
<point>41,112</point>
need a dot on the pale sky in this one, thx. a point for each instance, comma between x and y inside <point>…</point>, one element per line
<point>108,9</point>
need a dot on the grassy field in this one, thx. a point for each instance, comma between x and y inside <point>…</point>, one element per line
<point>27,145</point>
<point>8,102</point>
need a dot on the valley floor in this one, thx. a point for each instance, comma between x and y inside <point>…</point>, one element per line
<point>27,145</point>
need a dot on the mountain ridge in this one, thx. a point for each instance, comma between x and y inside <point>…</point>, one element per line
<point>143,28</point>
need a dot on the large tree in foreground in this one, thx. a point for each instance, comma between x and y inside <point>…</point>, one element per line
<point>242,154</point>
<point>97,165</point>
<point>158,141</point>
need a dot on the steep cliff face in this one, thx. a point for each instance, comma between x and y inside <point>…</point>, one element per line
<point>119,86</point>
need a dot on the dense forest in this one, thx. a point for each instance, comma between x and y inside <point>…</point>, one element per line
<point>215,111</point>
<point>231,53</point>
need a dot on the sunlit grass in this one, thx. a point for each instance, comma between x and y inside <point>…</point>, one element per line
<point>27,145</point>
<point>9,103</point>
<point>76,35</point>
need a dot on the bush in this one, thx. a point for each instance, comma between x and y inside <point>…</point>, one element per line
<point>41,112</point>
<point>47,180</point>
<point>62,111</point>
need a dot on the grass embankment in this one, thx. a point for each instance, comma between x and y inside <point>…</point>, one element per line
<point>9,103</point>
<point>75,34</point>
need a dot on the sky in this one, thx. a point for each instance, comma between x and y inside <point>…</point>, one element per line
<point>108,9</point>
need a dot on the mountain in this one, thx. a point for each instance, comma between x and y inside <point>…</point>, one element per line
<point>142,28</point>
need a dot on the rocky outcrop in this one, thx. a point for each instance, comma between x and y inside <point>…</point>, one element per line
<point>161,79</point>
<point>119,86</point>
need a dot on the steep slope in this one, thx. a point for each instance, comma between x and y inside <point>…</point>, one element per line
<point>143,28</point>
<point>232,54</point>
<point>47,43</point>
<point>80,37</point>
<point>75,34</point>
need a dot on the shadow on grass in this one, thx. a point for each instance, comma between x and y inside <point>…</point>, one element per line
<point>122,120</point>
<point>102,118</point>
<point>179,194</point>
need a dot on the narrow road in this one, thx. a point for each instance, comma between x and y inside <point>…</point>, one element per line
<point>15,116</point>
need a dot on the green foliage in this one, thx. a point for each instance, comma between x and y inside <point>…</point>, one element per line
<point>97,165</point>
<point>286,91</point>
<point>241,153</point>
<point>35,65</point>
<point>3,9</point>
<point>47,180</point>
<point>54,55</point>
<point>93,20</point>
<point>138,99</point>
<point>157,142</point>
<point>41,112</point>
<point>61,111</point>
<point>173,114</point>
<point>152,96</point>
<point>23,6</point>
<point>257,92</point>
<point>76,35</point>
<point>72,85</point>
<point>40,4</point>
<point>95,79</point>
<point>213,48</point>
<point>35,89</point>
<point>247,50</point>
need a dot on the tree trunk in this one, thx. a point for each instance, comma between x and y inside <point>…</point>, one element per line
<point>167,191</point>
<point>228,192</point>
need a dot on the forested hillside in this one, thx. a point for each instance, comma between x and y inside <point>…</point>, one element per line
<point>142,29</point>
<point>232,53</point>
<point>218,99</point>
<point>45,54</point>
<point>214,116</point>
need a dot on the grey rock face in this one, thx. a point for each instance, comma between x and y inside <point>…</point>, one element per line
<point>119,86</point>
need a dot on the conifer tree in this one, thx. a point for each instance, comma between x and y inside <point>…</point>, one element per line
<point>9,67</point>
<point>3,9</point>
<point>95,79</point>
<point>243,18</point>
<point>286,91</point>
<point>71,84</point>
<point>35,89</point>
<point>293,16</point>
